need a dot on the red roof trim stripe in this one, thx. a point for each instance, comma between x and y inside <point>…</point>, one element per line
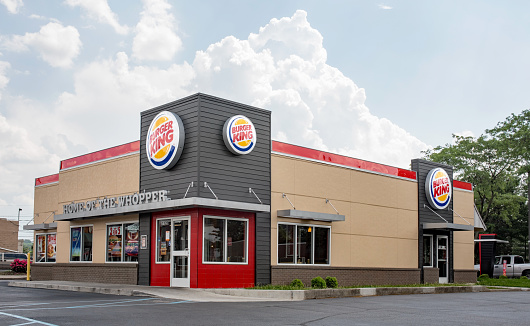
<point>47,179</point>
<point>462,185</point>
<point>101,155</point>
<point>341,160</point>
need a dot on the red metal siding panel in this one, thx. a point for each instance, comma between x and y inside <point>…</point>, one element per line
<point>45,180</point>
<point>101,155</point>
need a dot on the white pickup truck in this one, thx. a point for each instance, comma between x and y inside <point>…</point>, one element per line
<point>515,266</point>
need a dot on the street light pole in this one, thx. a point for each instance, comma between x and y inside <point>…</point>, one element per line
<point>19,210</point>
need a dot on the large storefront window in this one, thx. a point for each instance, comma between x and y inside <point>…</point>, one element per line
<point>46,248</point>
<point>163,240</point>
<point>225,240</point>
<point>123,242</point>
<point>81,243</point>
<point>427,251</point>
<point>312,244</point>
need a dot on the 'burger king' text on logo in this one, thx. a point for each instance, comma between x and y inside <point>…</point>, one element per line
<point>438,188</point>
<point>239,135</point>
<point>165,140</point>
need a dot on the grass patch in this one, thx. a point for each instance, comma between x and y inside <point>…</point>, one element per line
<point>509,282</point>
<point>289,287</point>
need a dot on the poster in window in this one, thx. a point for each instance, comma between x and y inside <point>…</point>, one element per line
<point>51,248</point>
<point>41,244</point>
<point>131,246</point>
<point>76,242</point>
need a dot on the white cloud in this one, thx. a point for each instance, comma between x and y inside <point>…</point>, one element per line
<point>57,45</point>
<point>100,11</point>
<point>384,7</point>
<point>3,75</point>
<point>12,5</point>
<point>283,68</point>
<point>155,33</point>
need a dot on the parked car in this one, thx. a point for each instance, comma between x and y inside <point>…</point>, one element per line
<point>515,266</point>
<point>10,256</point>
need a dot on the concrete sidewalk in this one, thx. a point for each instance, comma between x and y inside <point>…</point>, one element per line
<point>242,295</point>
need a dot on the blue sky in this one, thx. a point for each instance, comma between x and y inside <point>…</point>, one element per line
<point>394,77</point>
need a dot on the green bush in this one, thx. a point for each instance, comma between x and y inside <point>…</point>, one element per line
<point>297,283</point>
<point>502,277</point>
<point>318,283</point>
<point>483,277</point>
<point>331,282</point>
<point>523,277</point>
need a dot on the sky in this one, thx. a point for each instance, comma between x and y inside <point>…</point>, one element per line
<point>376,80</point>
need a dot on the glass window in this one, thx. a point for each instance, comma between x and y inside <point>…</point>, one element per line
<point>132,236</point>
<point>40,255</point>
<point>321,245</point>
<point>312,244</point>
<point>51,246</point>
<point>304,244</point>
<point>213,239</point>
<point>225,240</point>
<point>163,240</point>
<point>122,242</point>
<point>236,241</point>
<point>81,243</point>
<point>427,251</point>
<point>518,260</point>
<point>285,243</point>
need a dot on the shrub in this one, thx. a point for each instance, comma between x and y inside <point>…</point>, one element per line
<point>297,283</point>
<point>318,283</point>
<point>18,266</point>
<point>483,277</point>
<point>523,277</point>
<point>331,282</point>
<point>502,277</point>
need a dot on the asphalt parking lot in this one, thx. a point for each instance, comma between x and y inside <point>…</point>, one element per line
<point>25,306</point>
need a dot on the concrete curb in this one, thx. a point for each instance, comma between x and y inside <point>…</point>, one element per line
<point>82,288</point>
<point>344,293</point>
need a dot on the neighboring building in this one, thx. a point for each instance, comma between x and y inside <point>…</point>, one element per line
<point>206,199</point>
<point>8,235</point>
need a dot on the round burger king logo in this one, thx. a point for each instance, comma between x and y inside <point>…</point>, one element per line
<point>239,135</point>
<point>165,140</point>
<point>438,188</point>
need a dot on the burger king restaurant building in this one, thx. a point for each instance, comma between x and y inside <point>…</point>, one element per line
<point>205,199</point>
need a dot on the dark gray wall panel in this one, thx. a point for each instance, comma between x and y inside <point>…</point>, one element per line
<point>144,255</point>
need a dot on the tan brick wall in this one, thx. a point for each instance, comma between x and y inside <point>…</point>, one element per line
<point>8,234</point>
<point>431,275</point>
<point>465,276</point>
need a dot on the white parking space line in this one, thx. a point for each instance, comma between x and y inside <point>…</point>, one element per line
<point>31,321</point>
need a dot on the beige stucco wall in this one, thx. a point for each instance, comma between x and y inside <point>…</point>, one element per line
<point>463,251</point>
<point>110,178</point>
<point>381,225</point>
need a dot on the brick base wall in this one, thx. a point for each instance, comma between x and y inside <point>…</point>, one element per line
<point>465,276</point>
<point>94,273</point>
<point>346,276</point>
<point>431,275</point>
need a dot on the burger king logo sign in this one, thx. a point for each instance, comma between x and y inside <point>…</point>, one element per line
<point>438,188</point>
<point>165,140</point>
<point>239,135</point>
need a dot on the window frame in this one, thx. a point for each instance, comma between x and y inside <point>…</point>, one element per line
<point>81,241</point>
<point>122,242</point>
<point>225,242</point>
<point>431,255</point>
<point>45,248</point>
<point>295,234</point>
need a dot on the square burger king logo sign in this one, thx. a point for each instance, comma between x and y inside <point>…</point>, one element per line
<point>239,135</point>
<point>165,140</point>
<point>438,188</point>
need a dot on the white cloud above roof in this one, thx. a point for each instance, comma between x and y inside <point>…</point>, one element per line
<point>100,11</point>
<point>156,37</point>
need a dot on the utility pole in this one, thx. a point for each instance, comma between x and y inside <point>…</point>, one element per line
<point>20,209</point>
